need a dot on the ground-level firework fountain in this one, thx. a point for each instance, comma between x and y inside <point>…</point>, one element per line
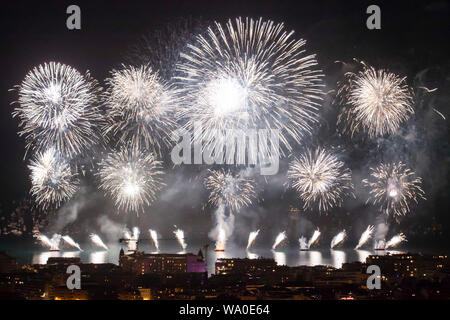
<point>71,242</point>
<point>393,242</point>
<point>305,244</point>
<point>365,237</point>
<point>180,237</point>
<point>251,238</point>
<point>52,243</point>
<point>131,239</point>
<point>154,237</point>
<point>97,241</point>
<point>279,239</point>
<point>338,239</point>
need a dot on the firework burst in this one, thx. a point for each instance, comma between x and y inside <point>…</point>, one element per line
<point>249,74</point>
<point>226,189</point>
<point>394,187</point>
<point>57,108</point>
<point>52,180</point>
<point>374,101</point>
<point>139,108</point>
<point>320,179</point>
<point>131,177</point>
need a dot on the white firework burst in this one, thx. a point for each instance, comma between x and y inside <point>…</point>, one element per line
<point>320,179</point>
<point>57,108</point>
<point>394,187</point>
<point>374,101</point>
<point>52,179</point>
<point>131,177</point>
<point>231,191</point>
<point>249,74</point>
<point>139,108</point>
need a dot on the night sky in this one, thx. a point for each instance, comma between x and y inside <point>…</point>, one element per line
<point>413,42</point>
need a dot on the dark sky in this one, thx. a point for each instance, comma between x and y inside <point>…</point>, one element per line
<point>414,37</point>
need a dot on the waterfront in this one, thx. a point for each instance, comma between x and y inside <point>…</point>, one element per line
<point>29,253</point>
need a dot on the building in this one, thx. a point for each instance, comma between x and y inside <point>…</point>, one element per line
<point>143,263</point>
<point>236,265</point>
<point>410,265</point>
<point>7,264</point>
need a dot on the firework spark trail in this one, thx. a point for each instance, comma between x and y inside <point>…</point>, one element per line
<point>251,238</point>
<point>131,177</point>
<point>52,179</point>
<point>374,101</point>
<point>52,243</point>
<point>97,241</point>
<point>249,74</point>
<point>280,238</point>
<point>396,240</point>
<point>338,239</point>
<point>154,237</point>
<point>394,187</point>
<point>221,238</point>
<point>179,234</point>
<point>314,238</point>
<point>71,242</point>
<point>57,107</point>
<point>227,191</point>
<point>365,236</point>
<point>320,179</point>
<point>139,108</point>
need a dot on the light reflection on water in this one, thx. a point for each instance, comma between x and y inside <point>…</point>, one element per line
<point>285,256</point>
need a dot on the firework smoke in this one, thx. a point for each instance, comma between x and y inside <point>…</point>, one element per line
<point>154,237</point>
<point>131,177</point>
<point>251,238</point>
<point>320,179</point>
<point>71,242</point>
<point>139,108</point>
<point>394,187</point>
<point>396,240</point>
<point>280,238</point>
<point>179,234</point>
<point>365,236</point>
<point>58,109</point>
<point>249,74</point>
<point>97,241</point>
<point>52,180</point>
<point>374,101</point>
<point>338,239</point>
